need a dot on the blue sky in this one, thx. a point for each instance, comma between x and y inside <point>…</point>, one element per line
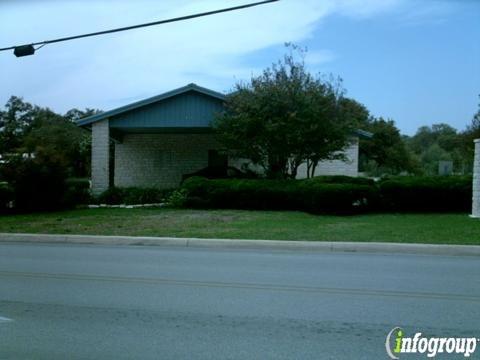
<point>415,61</point>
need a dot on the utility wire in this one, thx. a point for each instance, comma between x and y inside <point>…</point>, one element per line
<point>181,18</point>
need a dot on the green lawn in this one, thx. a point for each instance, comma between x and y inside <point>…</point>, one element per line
<point>413,228</point>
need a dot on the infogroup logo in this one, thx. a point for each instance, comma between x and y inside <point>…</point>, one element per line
<point>397,343</point>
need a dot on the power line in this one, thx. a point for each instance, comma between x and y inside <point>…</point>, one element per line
<point>28,49</point>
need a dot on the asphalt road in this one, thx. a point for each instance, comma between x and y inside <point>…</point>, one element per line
<point>98,302</point>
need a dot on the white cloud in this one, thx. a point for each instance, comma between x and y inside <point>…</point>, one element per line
<point>100,72</point>
<point>318,57</point>
<point>366,8</point>
<point>428,12</point>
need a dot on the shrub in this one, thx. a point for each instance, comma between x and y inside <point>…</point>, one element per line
<point>113,196</point>
<point>306,195</point>
<point>37,183</point>
<point>177,198</point>
<point>132,195</point>
<point>78,191</point>
<point>6,196</point>
<point>341,179</point>
<point>432,194</point>
<point>336,198</point>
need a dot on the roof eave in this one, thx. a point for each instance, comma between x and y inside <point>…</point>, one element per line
<point>363,134</point>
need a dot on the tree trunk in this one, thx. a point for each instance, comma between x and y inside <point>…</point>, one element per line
<point>294,164</point>
<point>308,168</point>
<point>277,168</point>
<point>311,167</point>
<point>314,167</point>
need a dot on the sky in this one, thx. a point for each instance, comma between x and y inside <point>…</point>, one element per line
<point>414,61</point>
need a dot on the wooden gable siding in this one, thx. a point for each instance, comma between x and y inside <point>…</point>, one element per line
<point>188,110</point>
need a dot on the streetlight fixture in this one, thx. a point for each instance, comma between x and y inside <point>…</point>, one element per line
<point>24,50</point>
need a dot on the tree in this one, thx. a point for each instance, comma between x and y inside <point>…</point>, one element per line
<point>14,121</point>
<point>466,140</point>
<point>432,144</point>
<point>75,114</point>
<point>355,112</point>
<point>386,151</point>
<point>38,183</point>
<point>442,134</point>
<point>284,117</point>
<point>56,136</point>
<point>474,127</point>
<point>25,128</point>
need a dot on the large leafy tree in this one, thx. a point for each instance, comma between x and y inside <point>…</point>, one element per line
<point>386,152</point>
<point>355,112</point>
<point>435,143</point>
<point>75,114</point>
<point>442,134</point>
<point>475,125</point>
<point>14,122</point>
<point>25,128</point>
<point>284,117</point>
<point>57,137</point>
<point>466,140</point>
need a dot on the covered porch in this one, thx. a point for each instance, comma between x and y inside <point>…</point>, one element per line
<point>157,158</point>
<point>154,142</point>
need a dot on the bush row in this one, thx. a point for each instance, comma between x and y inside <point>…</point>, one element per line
<point>68,193</point>
<point>37,189</point>
<point>432,194</point>
<point>24,196</point>
<point>340,179</point>
<point>132,195</point>
<point>313,196</point>
<point>39,183</point>
<point>6,196</point>
<point>77,192</point>
<point>324,195</point>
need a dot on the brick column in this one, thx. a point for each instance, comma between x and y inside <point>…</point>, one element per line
<point>100,156</point>
<point>476,181</point>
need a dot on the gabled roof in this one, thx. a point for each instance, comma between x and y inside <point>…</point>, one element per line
<point>190,87</point>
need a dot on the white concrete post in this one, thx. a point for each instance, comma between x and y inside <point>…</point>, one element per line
<point>476,181</point>
<point>100,156</point>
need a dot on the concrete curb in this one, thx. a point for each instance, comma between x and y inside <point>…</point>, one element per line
<point>311,246</point>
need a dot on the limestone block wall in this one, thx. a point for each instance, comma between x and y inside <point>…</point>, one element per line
<point>476,181</point>
<point>160,160</point>
<point>336,167</point>
<point>100,156</point>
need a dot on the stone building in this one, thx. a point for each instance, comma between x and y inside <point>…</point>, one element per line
<point>158,140</point>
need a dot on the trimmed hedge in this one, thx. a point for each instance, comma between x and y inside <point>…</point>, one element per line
<point>333,195</point>
<point>426,194</point>
<point>38,184</point>
<point>77,192</point>
<point>6,196</point>
<point>131,195</point>
<point>341,179</point>
<point>306,195</point>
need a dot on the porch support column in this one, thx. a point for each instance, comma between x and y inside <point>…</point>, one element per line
<point>100,156</point>
<point>476,181</point>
